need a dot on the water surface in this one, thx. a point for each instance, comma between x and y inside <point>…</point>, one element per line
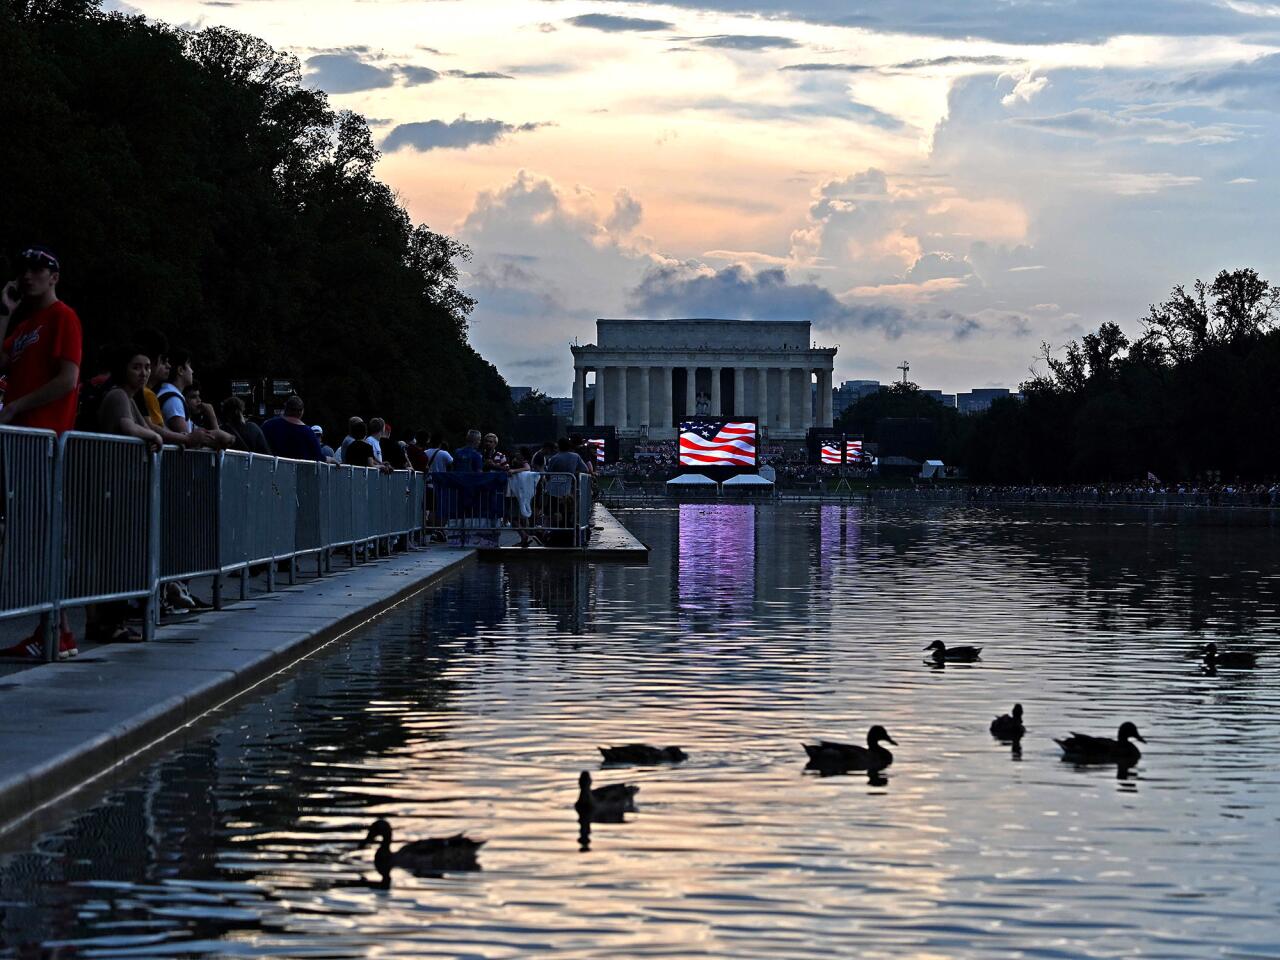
<point>751,629</point>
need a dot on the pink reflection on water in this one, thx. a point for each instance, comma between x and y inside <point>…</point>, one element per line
<point>717,566</point>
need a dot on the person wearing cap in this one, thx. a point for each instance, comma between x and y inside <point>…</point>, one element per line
<point>41,354</point>
<point>324,447</point>
<point>42,349</point>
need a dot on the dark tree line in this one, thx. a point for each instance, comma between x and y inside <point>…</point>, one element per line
<point>191,184</point>
<point>1196,394</point>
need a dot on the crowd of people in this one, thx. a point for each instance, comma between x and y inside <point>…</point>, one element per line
<point>149,391</point>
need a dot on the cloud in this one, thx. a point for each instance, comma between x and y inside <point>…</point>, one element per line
<point>626,214</point>
<point>615,24</point>
<point>830,67</point>
<point>346,73</point>
<point>1247,85</point>
<point>1027,22</point>
<point>478,75</point>
<point>956,60</point>
<point>457,134</point>
<point>692,289</point>
<point>1241,180</point>
<point>416,76</point>
<point>743,41</point>
<point>1092,124</point>
<point>1026,88</point>
<point>938,266</point>
<point>1143,184</point>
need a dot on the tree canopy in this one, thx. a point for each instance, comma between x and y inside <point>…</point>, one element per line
<point>1195,392</point>
<point>192,184</point>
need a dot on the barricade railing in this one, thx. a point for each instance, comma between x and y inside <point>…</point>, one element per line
<point>490,509</point>
<point>91,518</point>
<point>26,511</point>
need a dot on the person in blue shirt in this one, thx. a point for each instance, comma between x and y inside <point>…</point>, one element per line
<point>289,437</point>
<point>468,459</point>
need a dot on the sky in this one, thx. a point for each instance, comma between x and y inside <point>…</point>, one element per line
<point>947,183</point>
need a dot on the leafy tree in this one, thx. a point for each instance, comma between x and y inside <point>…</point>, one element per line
<point>191,183</point>
<point>535,403</point>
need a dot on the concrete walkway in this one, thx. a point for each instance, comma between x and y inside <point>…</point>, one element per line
<point>65,724</point>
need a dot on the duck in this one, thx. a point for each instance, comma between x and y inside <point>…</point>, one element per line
<point>1008,726</point>
<point>1082,748</point>
<point>1232,659</point>
<point>642,753</point>
<point>826,755</point>
<point>430,856</point>
<point>944,654</point>
<point>604,804</point>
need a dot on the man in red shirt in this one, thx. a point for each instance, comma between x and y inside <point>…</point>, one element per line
<point>41,356</point>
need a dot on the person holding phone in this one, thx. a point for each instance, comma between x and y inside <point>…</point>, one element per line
<point>41,353</point>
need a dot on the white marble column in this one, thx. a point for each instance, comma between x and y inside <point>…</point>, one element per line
<point>668,392</point>
<point>715,391</point>
<point>579,395</point>
<point>806,400</point>
<point>588,421</point>
<point>691,391</point>
<point>784,401</point>
<point>762,395</point>
<point>622,418</point>
<point>646,397</point>
<point>739,391</point>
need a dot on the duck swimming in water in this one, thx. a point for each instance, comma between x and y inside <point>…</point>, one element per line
<point>1081,748</point>
<point>838,757</point>
<point>1009,726</point>
<point>1232,659</point>
<point>431,856</point>
<point>642,753</point>
<point>944,654</point>
<point>604,804</point>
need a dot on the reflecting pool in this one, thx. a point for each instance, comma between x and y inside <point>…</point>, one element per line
<point>752,629</point>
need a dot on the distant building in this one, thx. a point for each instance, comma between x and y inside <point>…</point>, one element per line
<point>850,392</point>
<point>562,407</point>
<point>946,399</point>
<point>519,393</point>
<point>980,399</point>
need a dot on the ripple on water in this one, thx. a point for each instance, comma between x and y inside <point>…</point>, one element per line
<point>752,629</point>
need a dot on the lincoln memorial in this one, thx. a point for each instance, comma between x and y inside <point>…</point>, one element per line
<point>650,374</point>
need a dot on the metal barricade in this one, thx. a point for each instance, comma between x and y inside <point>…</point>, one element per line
<point>188,513</point>
<point>109,523</point>
<point>26,517</point>
<point>96,518</point>
<point>480,509</point>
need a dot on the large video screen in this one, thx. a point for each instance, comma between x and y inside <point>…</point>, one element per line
<point>597,443</point>
<point>854,452</point>
<point>716,442</point>
<point>831,454</point>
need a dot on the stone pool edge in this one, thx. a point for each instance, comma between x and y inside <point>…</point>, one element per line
<point>69,726</point>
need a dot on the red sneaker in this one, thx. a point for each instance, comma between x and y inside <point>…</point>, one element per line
<point>32,648</point>
<point>28,649</point>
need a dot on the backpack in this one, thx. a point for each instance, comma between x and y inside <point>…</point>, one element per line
<point>168,390</point>
<point>91,393</point>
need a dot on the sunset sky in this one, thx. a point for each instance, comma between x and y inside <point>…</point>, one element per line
<point>948,183</point>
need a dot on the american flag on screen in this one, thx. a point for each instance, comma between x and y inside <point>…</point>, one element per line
<point>830,453</point>
<point>599,448</point>
<point>853,451</point>
<point>716,443</point>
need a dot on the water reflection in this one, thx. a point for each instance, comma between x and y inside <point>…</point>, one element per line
<point>752,627</point>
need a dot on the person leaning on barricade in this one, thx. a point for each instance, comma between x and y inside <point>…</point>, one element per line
<point>249,436</point>
<point>173,405</point>
<point>42,352</point>
<point>120,413</point>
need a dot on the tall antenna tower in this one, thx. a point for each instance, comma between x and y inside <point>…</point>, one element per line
<point>905,368</point>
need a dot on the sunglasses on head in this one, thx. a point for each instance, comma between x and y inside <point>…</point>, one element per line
<point>38,258</point>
